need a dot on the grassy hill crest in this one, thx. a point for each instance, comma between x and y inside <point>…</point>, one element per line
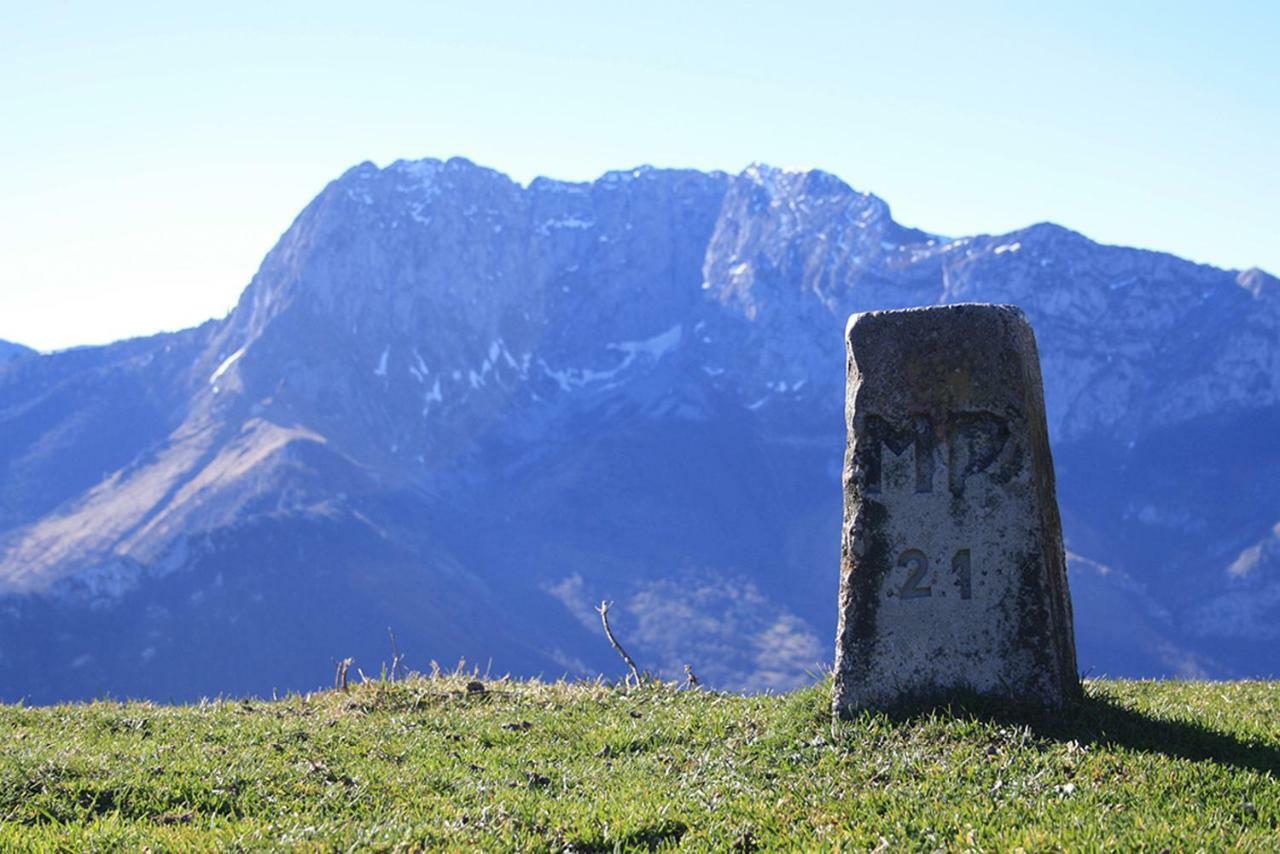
<point>441,762</point>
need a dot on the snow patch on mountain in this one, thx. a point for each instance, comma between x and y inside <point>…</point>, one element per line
<point>225,366</point>
<point>655,347</point>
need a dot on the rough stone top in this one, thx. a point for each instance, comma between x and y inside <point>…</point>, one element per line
<point>969,355</point>
<point>955,310</point>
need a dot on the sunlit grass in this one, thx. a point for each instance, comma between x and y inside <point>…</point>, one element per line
<point>428,763</point>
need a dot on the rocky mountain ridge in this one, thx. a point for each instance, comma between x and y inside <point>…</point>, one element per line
<point>468,408</point>
<point>10,350</point>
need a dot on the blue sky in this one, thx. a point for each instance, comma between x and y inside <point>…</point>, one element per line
<point>153,153</point>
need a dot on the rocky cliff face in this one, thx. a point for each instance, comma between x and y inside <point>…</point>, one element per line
<point>469,410</point>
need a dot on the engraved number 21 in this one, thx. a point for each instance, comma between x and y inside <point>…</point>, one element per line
<point>917,562</point>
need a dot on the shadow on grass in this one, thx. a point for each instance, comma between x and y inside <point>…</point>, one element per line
<point>1103,721</point>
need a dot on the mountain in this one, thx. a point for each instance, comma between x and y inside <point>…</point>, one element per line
<point>469,410</point>
<point>9,350</point>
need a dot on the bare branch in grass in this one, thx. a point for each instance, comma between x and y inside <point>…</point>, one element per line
<point>340,672</point>
<point>396,658</point>
<point>603,610</point>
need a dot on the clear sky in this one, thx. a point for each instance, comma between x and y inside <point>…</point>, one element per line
<point>153,152</point>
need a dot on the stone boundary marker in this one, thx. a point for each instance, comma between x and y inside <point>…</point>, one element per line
<point>952,574</point>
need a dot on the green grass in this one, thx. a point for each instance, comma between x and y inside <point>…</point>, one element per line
<point>526,765</point>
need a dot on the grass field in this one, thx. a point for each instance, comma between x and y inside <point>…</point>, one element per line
<point>523,765</point>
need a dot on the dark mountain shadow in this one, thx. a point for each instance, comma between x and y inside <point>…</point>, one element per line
<point>1099,720</point>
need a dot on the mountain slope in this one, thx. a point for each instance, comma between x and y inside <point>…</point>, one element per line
<point>470,410</point>
<point>10,350</point>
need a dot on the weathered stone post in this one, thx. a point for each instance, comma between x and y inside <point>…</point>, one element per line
<point>952,572</point>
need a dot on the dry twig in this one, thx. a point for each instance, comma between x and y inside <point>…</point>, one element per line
<point>340,673</point>
<point>603,610</point>
<point>396,657</point>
